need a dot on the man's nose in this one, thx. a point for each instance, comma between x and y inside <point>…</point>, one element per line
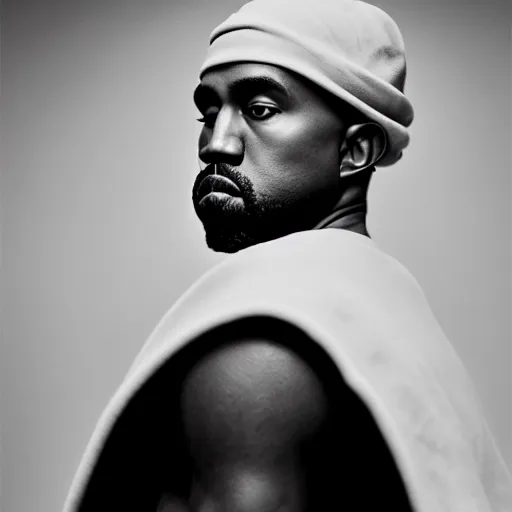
<point>224,144</point>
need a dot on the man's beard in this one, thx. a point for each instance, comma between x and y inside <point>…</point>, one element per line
<point>231,226</point>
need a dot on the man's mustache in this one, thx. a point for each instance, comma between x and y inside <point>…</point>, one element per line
<point>223,169</point>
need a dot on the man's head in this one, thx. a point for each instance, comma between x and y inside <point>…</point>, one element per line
<point>283,143</point>
<point>281,139</point>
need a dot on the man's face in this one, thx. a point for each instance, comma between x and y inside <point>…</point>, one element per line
<point>275,142</point>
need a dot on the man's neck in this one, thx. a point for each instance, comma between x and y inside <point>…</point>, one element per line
<point>351,218</point>
<point>350,210</point>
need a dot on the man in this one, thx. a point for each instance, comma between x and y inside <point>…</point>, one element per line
<point>306,372</point>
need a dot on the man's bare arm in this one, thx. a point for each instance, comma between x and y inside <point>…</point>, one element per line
<point>249,407</point>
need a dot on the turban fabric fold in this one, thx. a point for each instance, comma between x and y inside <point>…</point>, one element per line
<point>350,48</point>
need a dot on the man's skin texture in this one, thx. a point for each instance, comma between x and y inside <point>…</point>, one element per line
<point>267,422</point>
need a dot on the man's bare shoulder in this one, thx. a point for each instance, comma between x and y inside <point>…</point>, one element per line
<point>257,375</point>
<point>249,405</point>
<point>250,394</point>
<point>265,413</point>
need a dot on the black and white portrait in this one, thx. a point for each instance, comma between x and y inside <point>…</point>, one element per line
<point>256,256</point>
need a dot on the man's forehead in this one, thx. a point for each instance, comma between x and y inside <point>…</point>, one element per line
<point>249,76</point>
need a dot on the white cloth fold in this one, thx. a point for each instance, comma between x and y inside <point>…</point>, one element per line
<point>370,316</point>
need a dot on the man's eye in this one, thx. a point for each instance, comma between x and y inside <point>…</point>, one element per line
<point>261,112</point>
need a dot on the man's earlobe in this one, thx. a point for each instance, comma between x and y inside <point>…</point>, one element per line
<point>363,147</point>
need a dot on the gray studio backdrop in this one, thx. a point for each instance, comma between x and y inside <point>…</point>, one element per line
<point>99,234</point>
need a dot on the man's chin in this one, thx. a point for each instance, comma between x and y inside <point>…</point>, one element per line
<point>220,239</point>
<point>231,226</point>
<point>232,236</point>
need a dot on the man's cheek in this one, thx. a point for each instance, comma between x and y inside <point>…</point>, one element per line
<point>304,157</point>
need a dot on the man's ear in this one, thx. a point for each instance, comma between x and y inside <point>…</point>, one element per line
<point>363,147</point>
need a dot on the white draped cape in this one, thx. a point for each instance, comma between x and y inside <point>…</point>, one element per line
<point>371,317</point>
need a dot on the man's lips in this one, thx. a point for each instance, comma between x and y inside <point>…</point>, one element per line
<point>217,183</point>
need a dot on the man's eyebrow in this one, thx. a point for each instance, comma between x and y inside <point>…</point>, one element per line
<point>240,87</point>
<point>252,85</point>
